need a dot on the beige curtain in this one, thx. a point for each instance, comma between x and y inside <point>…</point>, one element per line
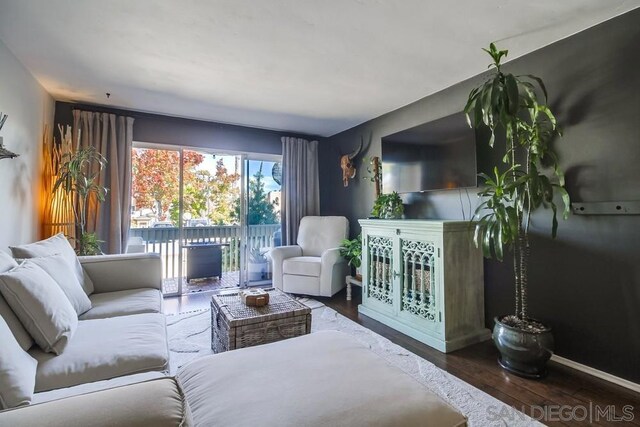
<point>111,136</point>
<point>300,187</point>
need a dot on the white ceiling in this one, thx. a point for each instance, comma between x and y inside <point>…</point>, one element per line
<point>316,67</point>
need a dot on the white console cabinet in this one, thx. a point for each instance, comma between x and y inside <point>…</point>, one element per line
<point>424,278</point>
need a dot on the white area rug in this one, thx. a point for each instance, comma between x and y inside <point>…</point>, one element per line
<point>190,338</point>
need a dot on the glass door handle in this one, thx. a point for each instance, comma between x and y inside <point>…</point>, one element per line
<point>395,274</point>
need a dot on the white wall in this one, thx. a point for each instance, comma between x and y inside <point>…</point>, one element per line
<point>29,108</point>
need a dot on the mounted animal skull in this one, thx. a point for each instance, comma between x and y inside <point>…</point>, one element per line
<point>348,168</point>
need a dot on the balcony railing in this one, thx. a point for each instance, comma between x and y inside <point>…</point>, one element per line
<point>166,242</point>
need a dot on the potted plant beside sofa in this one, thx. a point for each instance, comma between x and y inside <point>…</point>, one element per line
<point>78,176</point>
<point>351,250</point>
<point>515,108</point>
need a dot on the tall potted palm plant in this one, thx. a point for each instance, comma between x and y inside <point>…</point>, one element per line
<point>78,177</point>
<point>515,107</point>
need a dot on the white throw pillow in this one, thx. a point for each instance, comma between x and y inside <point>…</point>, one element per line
<point>17,371</point>
<point>22,336</point>
<point>57,267</point>
<point>6,262</point>
<point>55,245</point>
<point>43,309</point>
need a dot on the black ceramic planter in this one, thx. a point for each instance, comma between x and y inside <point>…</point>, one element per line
<point>523,353</point>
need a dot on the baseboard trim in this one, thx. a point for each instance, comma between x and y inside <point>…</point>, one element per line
<point>597,373</point>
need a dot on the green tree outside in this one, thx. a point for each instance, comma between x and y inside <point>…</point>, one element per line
<point>261,211</point>
<point>210,196</point>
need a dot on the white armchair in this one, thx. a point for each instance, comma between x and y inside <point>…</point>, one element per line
<point>313,266</point>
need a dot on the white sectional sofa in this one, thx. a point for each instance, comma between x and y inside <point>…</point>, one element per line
<point>121,339</point>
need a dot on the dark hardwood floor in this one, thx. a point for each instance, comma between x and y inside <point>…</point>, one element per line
<point>187,302</point>
<point>562,398</point>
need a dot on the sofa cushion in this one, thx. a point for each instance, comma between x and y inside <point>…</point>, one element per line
<point>321,379</point>
<point>17,371</point>
<point>157,403</point>
<point>58,268</point>
<point>54,245</point>
<point>106,348</point>
<point>120,272</point>
<point>61,393</point>
<point>43,309</point>
<point>302,266</point>
<point>302,285</point>
<point>123,303</point>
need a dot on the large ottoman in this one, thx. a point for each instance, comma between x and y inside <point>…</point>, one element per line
<point>322,379</point>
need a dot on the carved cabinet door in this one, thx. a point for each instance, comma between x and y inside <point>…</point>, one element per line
<point>419,277</point>
<point>377,269</point>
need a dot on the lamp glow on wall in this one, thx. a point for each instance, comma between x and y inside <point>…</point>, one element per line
<point>4,153</point>
<point>57,208</point>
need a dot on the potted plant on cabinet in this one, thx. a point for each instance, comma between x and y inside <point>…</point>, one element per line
<point>351,250</point>
<point>78,177</point>
<point>388,206</point>
<point>515,107</point>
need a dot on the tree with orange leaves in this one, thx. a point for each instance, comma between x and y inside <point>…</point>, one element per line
<point>156,177</point>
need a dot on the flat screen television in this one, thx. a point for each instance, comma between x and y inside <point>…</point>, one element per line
<point>436,155</point>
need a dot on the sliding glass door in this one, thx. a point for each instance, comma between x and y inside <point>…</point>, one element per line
<point>262,197</point>
<point>212,217</point>
<point>211,221</point>
<point>186,207</point>
<point>155,192</point>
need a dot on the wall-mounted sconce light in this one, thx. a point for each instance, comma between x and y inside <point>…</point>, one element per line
<point>4,153</point>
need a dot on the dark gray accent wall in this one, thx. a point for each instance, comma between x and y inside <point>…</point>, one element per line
<point>585,283</point>
<point>154,128</point>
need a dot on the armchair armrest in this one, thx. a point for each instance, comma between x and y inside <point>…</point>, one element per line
<point>330,257</point>
<point>111,273</point>
<point>334,269</point>
<point>278,255</point>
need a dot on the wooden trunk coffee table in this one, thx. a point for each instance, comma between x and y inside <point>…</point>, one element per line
<point>235,325</point>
